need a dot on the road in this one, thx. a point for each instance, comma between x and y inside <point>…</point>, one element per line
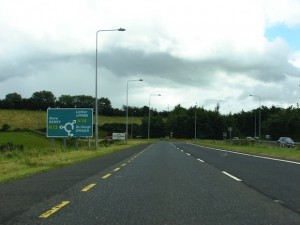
<point>17,196</point>
<point>278,179</point>
<point>167,183</point>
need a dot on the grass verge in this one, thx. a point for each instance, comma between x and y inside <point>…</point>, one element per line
<point>39,156</point>
<point>256,149</point>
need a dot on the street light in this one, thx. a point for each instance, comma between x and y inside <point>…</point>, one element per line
<point>149,113</point>
<point>126,135</point>
<point>132,122</point>
<point>96,86</point>
<point>259,123</point>
<point>196,121</point>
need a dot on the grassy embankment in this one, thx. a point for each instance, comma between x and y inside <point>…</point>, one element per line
<point>39,153</point>
<point>34,120</point>
<point>254,149</point>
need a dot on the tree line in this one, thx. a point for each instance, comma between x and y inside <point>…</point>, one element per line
<point>42,100</point>
<point>179,123</point>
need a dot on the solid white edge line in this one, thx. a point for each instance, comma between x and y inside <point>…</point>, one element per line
<point>233,177</point>
<point>245,154</point>
<point>200,160</point>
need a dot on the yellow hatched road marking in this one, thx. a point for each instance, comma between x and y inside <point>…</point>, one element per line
<point>106,176</point>
<point>54,209</point>
<point>88,187</point>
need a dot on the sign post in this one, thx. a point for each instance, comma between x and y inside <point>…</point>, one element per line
<point>230,130</point>
<point>69,122</point>
<point>118,136</point>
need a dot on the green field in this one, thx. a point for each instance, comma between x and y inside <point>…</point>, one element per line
<point>255,149</point>
<point>40,154</point>
<point>34,120</point>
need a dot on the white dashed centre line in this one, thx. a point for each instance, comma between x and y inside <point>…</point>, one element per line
<point>233,177</point>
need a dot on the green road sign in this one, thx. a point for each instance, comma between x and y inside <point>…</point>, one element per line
<point>71,122</point>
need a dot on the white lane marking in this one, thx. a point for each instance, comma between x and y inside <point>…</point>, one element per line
<point>147,148</point>
<point>200,160</point>
<point>245,154</point>
<point>173,145</point>
<point>233,177</point>
<point>181,150</point>
<point>188,154</point>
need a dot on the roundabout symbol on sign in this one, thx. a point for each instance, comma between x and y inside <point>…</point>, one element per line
<point>68,127</point>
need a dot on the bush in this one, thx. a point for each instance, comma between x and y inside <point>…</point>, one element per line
<point>5,127</point>
<point>10,147</point>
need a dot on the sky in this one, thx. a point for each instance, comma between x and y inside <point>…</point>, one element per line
<point>191,52</point>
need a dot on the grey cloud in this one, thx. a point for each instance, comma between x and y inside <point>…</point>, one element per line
<point>268,67</point>
<point>125,62</point>
<point>32,63</point>
<point>273,65</point>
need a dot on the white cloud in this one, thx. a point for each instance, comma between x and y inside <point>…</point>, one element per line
<point>281,11</point>
<point>190,51</point>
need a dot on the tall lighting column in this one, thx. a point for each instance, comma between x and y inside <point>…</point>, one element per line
<point>196,121</point>
<point>259,119</point>
<point>126,135</point>
<point>96,86</point>
<point>149,113</point>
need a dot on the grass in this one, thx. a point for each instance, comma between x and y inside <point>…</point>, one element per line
<point>39,155</point>
<point>256,149</point>
<point>26,119</point>
<point>30,140</point>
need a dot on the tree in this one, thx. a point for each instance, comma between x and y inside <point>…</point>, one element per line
<point>284,123</point>
<point>105,107</point>
<point>65,101</point>
<point>13,101</point>
<point>42,100</point>
<point>83,101</point>
<point>157,127</point>
<point>178,123</point>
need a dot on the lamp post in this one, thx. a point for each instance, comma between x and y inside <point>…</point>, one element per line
<point>149,113</point>
<point>196,121</point>
<point>259,119</point>
<point>131,123</point>
<point>96,86</point>
<point>126,135</point>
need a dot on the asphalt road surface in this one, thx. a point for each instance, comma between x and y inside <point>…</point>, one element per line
<point>278,179</point>
<point>168,183</point>
<point>18,196</point>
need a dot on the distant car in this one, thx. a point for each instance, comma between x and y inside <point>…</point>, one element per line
<point>139,137</point>
<point>108,137</point>
<point>250,138</point>
<point>286,142</point>
<point>235,138</point>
